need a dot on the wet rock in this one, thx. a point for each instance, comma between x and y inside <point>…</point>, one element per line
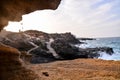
<point>94,52</point>
<point>68,51</point>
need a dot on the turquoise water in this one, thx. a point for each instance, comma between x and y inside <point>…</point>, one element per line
<point>105,42</point>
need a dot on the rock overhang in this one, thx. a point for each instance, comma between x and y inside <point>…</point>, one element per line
<point>12,10</point>
<point>11,66</point>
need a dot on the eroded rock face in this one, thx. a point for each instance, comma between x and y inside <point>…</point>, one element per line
<point>12,67</point>
<point>12,10</point>
<point>6,52</point>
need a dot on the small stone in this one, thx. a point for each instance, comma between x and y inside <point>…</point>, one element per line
<point>45,74</point>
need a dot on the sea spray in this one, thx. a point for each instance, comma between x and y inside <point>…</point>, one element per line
<point>114,43</point>
<point>105,56</point>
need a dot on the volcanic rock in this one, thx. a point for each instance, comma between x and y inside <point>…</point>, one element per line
<point>65,50</point>
<point>68,51</point>
<point>68,37</point>
<point>41,56</point>
<point>34,42</point>
<point>94,52</point>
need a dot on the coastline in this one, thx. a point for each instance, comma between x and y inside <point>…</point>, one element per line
<point>112,42</point>
<point>71,65</point>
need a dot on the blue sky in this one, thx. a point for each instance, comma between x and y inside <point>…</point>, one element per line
<point>84,18</point>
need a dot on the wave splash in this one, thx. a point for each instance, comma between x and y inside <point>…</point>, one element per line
<point>106,56</point>
<point>102,42</point>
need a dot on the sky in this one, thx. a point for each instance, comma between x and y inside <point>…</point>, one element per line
<point>83,18</point>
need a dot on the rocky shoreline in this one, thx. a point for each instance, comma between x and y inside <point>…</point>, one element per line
<point>14,48</point>
<point>27,50</point>
<point>42,49</point>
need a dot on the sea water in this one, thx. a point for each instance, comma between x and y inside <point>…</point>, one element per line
<point>105,42</point>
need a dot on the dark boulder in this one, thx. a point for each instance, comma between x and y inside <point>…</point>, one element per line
<point>94,52</point>
<point>41,56</point>
<point>68,37</point>
<point>69,51</point>
<point>65,50</point>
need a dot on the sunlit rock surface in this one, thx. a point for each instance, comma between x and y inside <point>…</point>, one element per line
<point>79,69</point>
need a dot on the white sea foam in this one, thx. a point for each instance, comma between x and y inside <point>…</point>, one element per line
<point>105,56</point>
<point>104,42</point>
<point>84,46</point>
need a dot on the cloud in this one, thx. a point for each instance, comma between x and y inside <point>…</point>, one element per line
<point>86,18</point>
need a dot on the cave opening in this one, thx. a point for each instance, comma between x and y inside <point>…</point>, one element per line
<point>42,20</point>
<point>38,20</point>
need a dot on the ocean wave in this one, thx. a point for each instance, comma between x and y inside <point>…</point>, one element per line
<point>105,56</point>
<point>114,43</point>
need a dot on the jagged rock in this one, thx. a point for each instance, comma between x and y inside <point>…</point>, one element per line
<point>68,51</point>
<point>94,52</point>
<point>68,37</point>
<point>41,56</point>
<point>62,44</point>
<point>41,52</point>
<point>38,34</point>
<point>65,50</point>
